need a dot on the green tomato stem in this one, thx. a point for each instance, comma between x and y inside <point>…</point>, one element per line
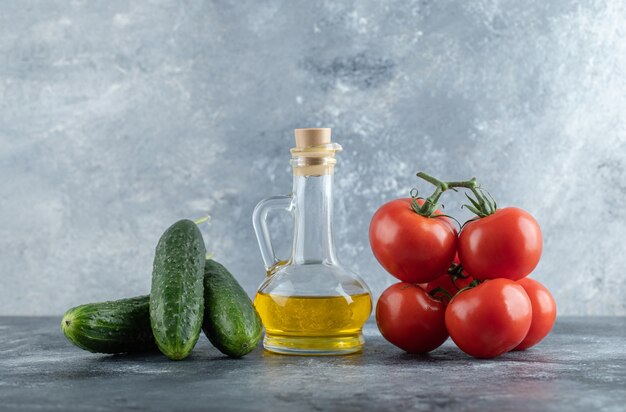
<point>472,285</point>
<point>441,290</point>
<point>431,203</point>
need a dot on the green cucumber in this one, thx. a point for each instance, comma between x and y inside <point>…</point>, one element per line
<point>121,326</point>
<point>176,297</point>
<point>231,322</point>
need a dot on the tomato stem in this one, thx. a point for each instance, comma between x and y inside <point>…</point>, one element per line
<point>472,285</point>
<point>431,203</point>
<point>456,272</point>
<point>441,290</point>
<point>482,204</point>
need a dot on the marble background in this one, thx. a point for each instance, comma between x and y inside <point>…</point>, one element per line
<point>118,118</point>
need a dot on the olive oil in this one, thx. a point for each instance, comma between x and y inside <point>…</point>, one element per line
<point>320,324</point>
<point>310,304</point>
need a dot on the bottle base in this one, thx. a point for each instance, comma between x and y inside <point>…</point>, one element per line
<point>314,345</point>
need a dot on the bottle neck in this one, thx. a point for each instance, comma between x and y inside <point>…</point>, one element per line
<point>313,230</point>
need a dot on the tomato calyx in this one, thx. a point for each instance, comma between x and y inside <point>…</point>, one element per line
<point>456,272</point>
<point>484,204</point>
<point>431,203</point>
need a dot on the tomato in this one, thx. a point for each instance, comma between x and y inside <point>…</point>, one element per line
<point>489,319</point>
<point>412,247</point>
<point>445,282</point>
<point>544,312</point>
<point>411,319</point>
<point>506,244</point>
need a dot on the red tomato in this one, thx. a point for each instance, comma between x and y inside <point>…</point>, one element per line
<point>412,247</point>
<point>506,244</point>
<point>489,319</point>
<point>411,319</point>
<point>445,282</point>
<point>544,312</point>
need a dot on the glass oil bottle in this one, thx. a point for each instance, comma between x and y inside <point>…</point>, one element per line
<point>310,304</point>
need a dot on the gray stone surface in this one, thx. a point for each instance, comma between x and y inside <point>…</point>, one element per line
<point>118,118</point>
<point>580,366</point>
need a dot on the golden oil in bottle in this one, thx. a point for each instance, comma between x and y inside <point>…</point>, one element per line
<point>310,304</point>
<point>320,324</point>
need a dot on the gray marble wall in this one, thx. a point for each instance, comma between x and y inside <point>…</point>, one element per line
<point>118,118</point>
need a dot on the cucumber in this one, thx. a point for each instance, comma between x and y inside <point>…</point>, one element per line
<point>121,326</point>
<point>231,322</point>
<point>176,297</point>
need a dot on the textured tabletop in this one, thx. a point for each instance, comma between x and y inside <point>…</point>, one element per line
<point>580,366</point>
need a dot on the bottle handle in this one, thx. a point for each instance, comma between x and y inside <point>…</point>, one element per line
<point>259,221</point>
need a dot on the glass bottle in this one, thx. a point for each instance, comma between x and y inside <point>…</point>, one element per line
<point>310,304</point>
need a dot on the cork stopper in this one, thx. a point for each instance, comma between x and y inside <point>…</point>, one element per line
<point>314,154</point>
<point>306,138</point>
